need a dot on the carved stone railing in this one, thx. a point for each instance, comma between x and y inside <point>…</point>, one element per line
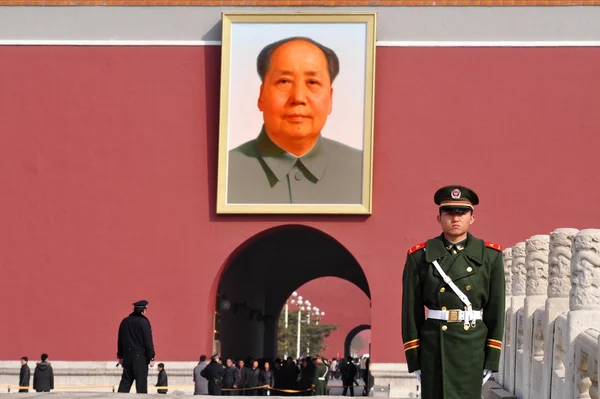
<point>559,352</point>
<point>536,289</point>
<point>537,356</point>
<point>517,300</point>
<point>586,361</point>
<point>552,325</point>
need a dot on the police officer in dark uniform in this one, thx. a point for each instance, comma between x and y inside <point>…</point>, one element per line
<point>214,373</point>
<point>135,349</point>
<point>460,279</point>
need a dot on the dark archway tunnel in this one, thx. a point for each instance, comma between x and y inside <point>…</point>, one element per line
<point>264,272</point>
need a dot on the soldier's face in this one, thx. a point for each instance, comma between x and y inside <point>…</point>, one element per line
<point>296,95</point>
<point>229,363</point>
<point>455,224</point>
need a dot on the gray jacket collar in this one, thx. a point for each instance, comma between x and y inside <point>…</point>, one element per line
<point>280,162</point>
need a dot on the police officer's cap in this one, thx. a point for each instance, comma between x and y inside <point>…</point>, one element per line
<point>141,304</point>
<point>456,199</point>
<point>215,356</point>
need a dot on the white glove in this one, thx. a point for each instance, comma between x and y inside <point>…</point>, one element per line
<point>487,373</point>
<point>418,375</point>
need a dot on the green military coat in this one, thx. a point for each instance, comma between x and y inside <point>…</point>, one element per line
<point>321,371</point>
<point>452,359</point>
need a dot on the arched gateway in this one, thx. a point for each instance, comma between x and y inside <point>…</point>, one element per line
<point>353,333</point>
<point>262,274</point>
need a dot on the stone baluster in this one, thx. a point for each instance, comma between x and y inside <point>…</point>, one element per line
<point>559,285</point>
<point>584,298</point>
<point>518,280</point>
<point>507,259</point>
<point>536,291</point>
<point>505,367</point>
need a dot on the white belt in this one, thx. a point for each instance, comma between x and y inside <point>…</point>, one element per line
<point>469,315</point>
<point>321,378</point>
<point>455,315</point>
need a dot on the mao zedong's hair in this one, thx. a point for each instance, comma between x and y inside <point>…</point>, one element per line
<point>263,61</point>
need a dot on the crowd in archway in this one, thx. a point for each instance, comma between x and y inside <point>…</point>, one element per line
<point>290,377</point>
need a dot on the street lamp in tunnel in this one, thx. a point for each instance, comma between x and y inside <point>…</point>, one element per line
<point>301,304</point>
<point>294,295</point>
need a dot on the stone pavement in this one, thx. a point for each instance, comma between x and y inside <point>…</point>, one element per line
<point>334,390</point>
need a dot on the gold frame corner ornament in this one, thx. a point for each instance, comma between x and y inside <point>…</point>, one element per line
<point>230,18</point>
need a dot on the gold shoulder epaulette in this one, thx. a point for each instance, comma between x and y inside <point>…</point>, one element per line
<point>417,247</point>
<point>493,246</point>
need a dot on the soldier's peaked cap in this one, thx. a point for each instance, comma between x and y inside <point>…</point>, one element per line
<point>456,197</point>
<point>140,304</point>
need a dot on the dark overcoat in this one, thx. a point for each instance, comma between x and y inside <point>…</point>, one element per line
<point>231,377</point>
<point>43,377</point>
<point>450,357</point>
<point>135,338</point>
<point>24,376</point>
<point>214,373</point>
<point>162,381</point>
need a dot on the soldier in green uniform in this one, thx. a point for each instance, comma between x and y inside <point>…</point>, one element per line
<point>455,348</point>
<point>319,380</point>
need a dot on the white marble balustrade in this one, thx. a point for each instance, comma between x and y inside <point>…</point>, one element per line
<point>552,325</point>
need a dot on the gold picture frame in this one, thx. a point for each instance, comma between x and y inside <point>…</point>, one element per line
<point>328,173</point>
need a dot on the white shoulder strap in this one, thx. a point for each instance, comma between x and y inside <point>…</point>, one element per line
<point>449,281</point>
<point>456,290</point>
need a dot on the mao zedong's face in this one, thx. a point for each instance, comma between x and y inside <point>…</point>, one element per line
<point>296,96</point>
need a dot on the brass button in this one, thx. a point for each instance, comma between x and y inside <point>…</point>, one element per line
<point>442,289</point>
<point>468,287</point>
<point>469,269</point>
<point>444,327</point>
<point>443,308</point>
<point>466,328</point>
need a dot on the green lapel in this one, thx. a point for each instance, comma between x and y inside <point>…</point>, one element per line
<point>472,258</point>
<point>436,250</point>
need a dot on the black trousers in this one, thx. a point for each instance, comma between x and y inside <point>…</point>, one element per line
<point>134,368</point>
<point>214,388</point>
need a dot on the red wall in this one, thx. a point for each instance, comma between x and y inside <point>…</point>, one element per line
<point>108,181</point>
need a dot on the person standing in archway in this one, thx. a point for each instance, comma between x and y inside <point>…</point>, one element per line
<point>348,376</point>
<point>460,279</point>
<point>135,349</point>
<point>231,378</point>
<point>253,380</point>
<point>320,378</point>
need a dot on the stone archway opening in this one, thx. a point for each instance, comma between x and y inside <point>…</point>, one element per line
<point>262,275</point>
<point>357,349</point>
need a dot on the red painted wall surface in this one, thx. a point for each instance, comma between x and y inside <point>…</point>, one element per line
<point>108,181</point>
